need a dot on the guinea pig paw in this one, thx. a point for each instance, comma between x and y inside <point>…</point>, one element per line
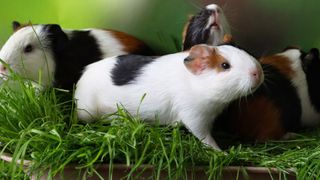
<point>290,136</point>
<point>227,38</point>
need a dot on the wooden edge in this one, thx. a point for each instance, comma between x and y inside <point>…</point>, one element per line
<point>8,158</point>
<point>258,169</point>
<point>148,169</point>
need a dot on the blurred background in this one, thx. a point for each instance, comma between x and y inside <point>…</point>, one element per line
<point>261,26</point>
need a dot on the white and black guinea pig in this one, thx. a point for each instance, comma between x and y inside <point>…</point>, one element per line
<point>60,55</point>
<point>287,101</point>
<point>209,26</point>
<point>191,87</point>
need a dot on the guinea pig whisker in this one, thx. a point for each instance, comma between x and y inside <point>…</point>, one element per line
<point>245,99</point>
<point>224,6</point>
<point>265,85</point>
<point>239,103</point>
<point>268,81</point>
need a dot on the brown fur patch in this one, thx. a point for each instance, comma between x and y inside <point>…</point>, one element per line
<point>282,63</point>
<point>184,31</point>
<point>251,124</point>
<point>215,61</point>
<point>204,56</point>
<point>227,38</point>
<point>131,44</point>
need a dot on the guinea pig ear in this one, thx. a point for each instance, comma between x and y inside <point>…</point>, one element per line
<point>309,58</point>
<point>199,58</point>
<point>315,52</point>
<point>312,55</point>
<point>15,25</point>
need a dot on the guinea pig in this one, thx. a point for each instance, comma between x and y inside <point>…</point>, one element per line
<point>191,87</point>
<point>58,56</point>
<point>209,26</point>
<point>287,101</point>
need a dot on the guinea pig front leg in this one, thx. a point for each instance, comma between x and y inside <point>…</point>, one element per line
<point>200,128</point>
<point>209,140</point>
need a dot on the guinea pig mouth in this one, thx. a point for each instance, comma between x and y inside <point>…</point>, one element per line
<point>254,88</point>
<point>256,85</point>
<point>214,25</point>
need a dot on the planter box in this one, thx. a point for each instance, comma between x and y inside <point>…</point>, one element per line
<point>146,171</point>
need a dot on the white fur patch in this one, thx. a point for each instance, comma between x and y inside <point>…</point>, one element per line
<point>109,45</point>
<point>212,6</point>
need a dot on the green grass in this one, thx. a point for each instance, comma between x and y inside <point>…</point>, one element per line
<point>41,126</point>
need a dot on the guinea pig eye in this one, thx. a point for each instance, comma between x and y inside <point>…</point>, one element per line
<point>225,66</point>
<point>28,48</point>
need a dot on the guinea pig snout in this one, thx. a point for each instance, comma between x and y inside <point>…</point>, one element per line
<point>214,19</point>
<point>257,77</point>
<point>213,12</point>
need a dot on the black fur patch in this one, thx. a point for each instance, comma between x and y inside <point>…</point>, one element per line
<point>128,67</point>
<point>196,33</point>
<point>71,54</point>
<point>311,64</point>
<point>278,89</point>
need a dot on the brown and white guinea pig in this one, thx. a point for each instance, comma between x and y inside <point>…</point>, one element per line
<point>288,100</point>
<point>209,26</point>
<point>60,55</point>
<point>190,87</point>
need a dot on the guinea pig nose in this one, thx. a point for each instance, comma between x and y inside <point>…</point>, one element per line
<point>255,74</point>
<point>211,11</point>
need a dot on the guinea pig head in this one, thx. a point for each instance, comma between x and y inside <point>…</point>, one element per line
<point>30,51</point>
<point>229,71</point>
<point>207,27</point>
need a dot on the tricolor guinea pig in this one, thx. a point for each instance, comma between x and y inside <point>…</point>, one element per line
<point>209,26</point>
<point>287,101</point>
<point>191,87</point>
<point>58,56</point>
